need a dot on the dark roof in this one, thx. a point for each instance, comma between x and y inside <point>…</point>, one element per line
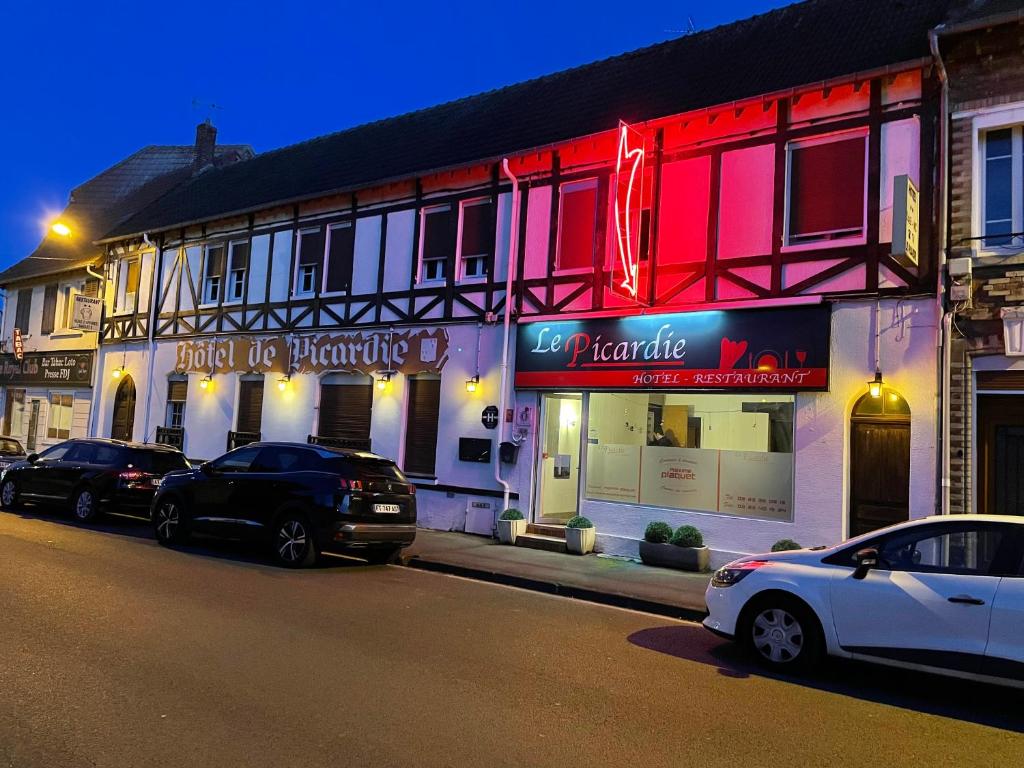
<point>800,44</point>
<point>983,10</point>
<point>107,198</point>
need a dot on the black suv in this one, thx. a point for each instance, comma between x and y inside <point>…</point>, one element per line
<point>91,476</point>
<point>298,499</point>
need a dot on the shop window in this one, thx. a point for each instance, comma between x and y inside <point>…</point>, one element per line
<point>436,242</point>
<point>213,280</point>
<point>340,245</point>
<point>346,403</point>
<point>1002,201</point>
<point>177,395</point>
<point>421,424</point>
<point>577,224</point>
<point>720,453</point>
<point>476,239</point>
<point>311,256</point>
<point>827,189</point>
<point>250,406</point>
<point>238,268</point>
<point>49,321</point>
<point>59,418</point>
<point>23,314</point>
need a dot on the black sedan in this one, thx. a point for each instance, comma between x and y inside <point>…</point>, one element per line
<point>10,451</point>
<point>299,500</point>
<point>91,476</point>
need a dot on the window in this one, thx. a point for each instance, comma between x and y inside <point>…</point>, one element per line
<point>59,419</point>
<point>238,460</point>
<point>346,402</point>
<point>719,453</point>
<point>49,320</point>
<point>340,245</point>
<point>827,189</point>
<point>56,452</point>
<point>213,283</point>
<point>177,394</point>
<point>24,311</point>
<point>67,303</point>
<point>977,550</point>
<point>577,225</point>
<point>311,257</point>
<point>421,424</point>
<point>281,459</point>
<point>238,268</point>
<point>436,242</point>
<point>250,405</point>
<point>128,285</point>
<point>476,241</point>
<point>1002,200</point>
<point>157,462</point>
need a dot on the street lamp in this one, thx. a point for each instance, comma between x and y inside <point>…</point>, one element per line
<point>875,385</point>
<point>60,228</point>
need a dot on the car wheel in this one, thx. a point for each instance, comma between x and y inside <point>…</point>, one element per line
<point>383,555</point>
<point>783,633</point>
<point>84,506</point>
<point>293,542</point>
<point>9,495</point>
<point>169,523</point>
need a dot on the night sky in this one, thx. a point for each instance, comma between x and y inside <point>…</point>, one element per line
<point>85,84</point>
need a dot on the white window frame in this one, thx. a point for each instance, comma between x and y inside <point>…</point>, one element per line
<point>462,277</point>
<point>208,297</point>
<point>169,404</point>
<point>50,410</point>
<point>301,269</point>
<point>329,230</point>
<point>66,297</point>
<point>840,242</point>
<point>125,304</point>
<point>983,121</point>
<point>235,277</point>
<point>421,277</point>
<point>572,186</point>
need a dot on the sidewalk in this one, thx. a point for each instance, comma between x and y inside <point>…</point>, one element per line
<point>610,581</point>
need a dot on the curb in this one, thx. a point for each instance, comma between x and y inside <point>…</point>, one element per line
<point>554,588</point>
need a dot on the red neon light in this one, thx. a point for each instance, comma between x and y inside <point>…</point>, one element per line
<point>628,206</point>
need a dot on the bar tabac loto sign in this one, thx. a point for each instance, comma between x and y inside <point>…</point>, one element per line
<point>71,369</point>
<point>405,351</point>
<point>778,349</point>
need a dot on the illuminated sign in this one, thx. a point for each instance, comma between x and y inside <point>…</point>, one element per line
<point>906,220</point>
<point>629,204</point>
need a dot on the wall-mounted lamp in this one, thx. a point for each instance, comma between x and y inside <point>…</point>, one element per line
<point>206,382</point>
<point>117,373</point>
<point>875,385</point>
<point>473,383</point>
<point>282,383</point>
<point>384,380</point>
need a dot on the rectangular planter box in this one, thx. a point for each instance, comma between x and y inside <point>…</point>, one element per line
<point>580,541</point>
<point>508,530</point>
<point>671,556</point>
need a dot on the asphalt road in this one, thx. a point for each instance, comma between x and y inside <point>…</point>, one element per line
<point>116,652</point>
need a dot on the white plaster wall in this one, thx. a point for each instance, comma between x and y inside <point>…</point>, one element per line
<point>258,258</point>
<point>538,231</point>
<point>282,265</point>
<point>398,250</point>
<point>366,256</point>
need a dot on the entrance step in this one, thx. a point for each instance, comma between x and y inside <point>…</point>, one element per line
<point>555,531</point>
<point>538,541</point>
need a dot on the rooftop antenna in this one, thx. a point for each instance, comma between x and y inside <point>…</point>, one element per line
<point>206,106</point>
<point>691,28</point>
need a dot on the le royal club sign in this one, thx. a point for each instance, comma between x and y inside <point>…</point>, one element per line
<point>755,349</point>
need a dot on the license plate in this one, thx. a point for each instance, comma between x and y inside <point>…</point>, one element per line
<point>386,509</point>
<point>155,482</point>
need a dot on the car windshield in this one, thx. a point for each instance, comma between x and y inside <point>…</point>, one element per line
<point>10,447</point>
<point>159,462</point>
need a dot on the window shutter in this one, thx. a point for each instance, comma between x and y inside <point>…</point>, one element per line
<point>24,311</point>
<point>177,390</point>
<point>250,406</point>
<point>49,309</point>
<point>438,237</point>
<point>345,411</point>
<point>476,230</point>
<point>421,428</point>
<point>339,259</point>
<point>577,227</point>
<point>826,192</point>
<point>92,288</point>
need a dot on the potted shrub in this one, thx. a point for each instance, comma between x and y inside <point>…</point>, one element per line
<point>510,525</point>
<point>784,545</point>
<point>655,549</point>
<point>693,555</point>
<point>580,535</point>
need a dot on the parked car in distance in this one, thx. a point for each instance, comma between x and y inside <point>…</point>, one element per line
<point>91,476</point>
<point>941,594</point>
<point>10,451</point>
<point>299,500</point>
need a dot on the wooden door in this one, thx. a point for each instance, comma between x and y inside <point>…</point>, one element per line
<point>879,474</point>
<point>1001,454</point>
<point>124,410</point>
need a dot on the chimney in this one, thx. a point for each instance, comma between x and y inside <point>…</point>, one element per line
<point>206,141</point>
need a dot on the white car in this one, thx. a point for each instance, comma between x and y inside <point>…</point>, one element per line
<point>941,594</point>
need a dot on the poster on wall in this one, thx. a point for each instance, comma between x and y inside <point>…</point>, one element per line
<point>756,484</point>
<point>613,472</point>
<point>679,478</point>
<point>737,349</point>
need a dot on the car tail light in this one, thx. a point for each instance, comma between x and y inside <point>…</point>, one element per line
<point>736,572</point>
<point>133,478</point>
<point>350,485</point>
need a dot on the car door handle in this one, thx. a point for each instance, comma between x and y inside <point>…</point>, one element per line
<point>966,600</point>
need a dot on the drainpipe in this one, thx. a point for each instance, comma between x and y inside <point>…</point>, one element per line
<point>94,413</point>
<point>154,289</point>
<point>513,248</point>
<point>946,342</point>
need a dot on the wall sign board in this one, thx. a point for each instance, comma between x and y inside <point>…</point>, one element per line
<point>72,369</point>
<point>738,349</point>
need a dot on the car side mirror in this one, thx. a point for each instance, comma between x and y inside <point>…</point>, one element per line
<point>32,458</point>
<point>866,559</point>
<point>206,468</point>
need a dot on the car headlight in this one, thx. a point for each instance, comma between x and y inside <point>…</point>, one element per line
<point>736,572</point>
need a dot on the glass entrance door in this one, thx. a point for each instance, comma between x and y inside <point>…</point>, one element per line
<point>558,489</point>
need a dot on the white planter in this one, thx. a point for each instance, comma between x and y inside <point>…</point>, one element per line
<point>580,541</point>
<point>1013,330</point>
<point>508,530</point>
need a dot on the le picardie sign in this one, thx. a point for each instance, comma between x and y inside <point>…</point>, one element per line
<point>404,351</point>
<point>776,349</point>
